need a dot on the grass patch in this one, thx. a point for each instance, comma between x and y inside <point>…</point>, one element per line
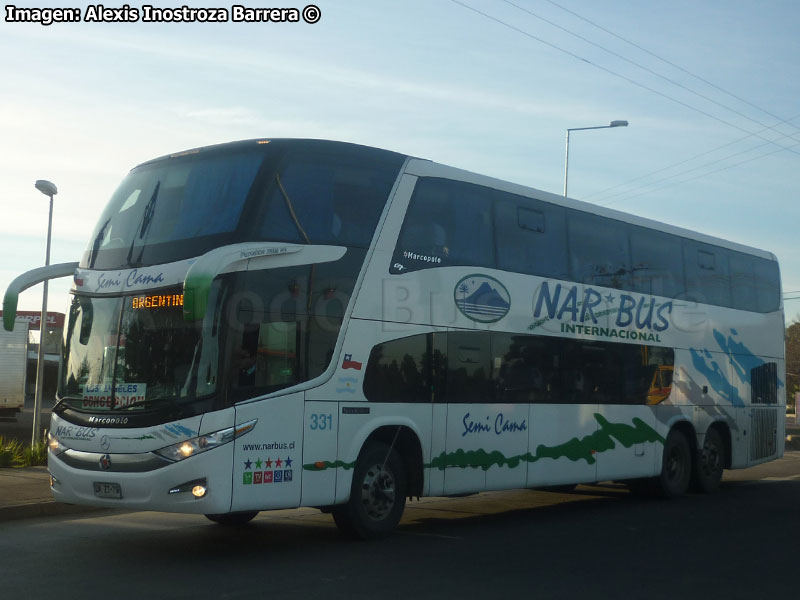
<point>10,453</point>
<point>35,456</point>
<point>14,453</point>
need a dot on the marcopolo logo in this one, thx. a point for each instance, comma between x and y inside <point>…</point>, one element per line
<point>482,298</point>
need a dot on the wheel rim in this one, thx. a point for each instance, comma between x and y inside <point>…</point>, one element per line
<point>676,466</point>
<point>378,492</point>
<point>711,459</point>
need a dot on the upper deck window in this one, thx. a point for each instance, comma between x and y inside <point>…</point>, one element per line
<point>448,223</point>
<point>325,199</point>
<point>452,223</point>
<point>198,196</point>
<point>307,192</point>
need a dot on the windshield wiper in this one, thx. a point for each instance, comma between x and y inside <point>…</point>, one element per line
<point>291,209</point>
<point>98,240</point>
<point>147,219</point>
<point>141,402</point>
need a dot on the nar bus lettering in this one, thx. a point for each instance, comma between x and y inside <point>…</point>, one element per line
<point>562,304</point>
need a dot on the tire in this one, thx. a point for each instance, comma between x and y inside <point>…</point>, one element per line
<point>377,494</point>
<point>676,466</point>
<point>234,518</point>
<point>709,463</point>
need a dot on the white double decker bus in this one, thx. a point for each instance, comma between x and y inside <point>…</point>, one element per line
<point>280,323</point>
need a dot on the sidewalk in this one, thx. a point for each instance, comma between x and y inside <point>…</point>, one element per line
<point>25,493</point>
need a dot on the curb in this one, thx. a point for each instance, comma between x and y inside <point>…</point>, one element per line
<point>49,508</point>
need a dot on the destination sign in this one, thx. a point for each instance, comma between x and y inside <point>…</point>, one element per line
<point>157,301</point>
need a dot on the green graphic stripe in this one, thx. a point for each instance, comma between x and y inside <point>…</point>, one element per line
<point>575,449</point>
<point>323,465</point>
<point>477,458</point>
<point>601,440</point>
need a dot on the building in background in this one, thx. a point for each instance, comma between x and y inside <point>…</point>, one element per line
<point>52,351</point>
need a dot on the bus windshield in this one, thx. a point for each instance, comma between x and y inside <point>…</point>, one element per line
<point>295,191</point>
<point>133,351</point>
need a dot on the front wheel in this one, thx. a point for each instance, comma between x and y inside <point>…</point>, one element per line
<point>709,463</point>
<point>676,466</point>
<point>235,518</point>
<point>377,495</point>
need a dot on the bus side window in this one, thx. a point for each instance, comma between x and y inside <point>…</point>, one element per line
<point>447,223</point>
<point>525,368</point>
<point>707,278</point>
<point>400,370</point>
<point>598,250</point>
<point>468,367</point>
<point>531,236</point>
<point>743,281</point>
<point>767,285</point>
<point>657,263</point>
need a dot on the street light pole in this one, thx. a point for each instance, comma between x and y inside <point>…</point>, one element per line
<point>566,157</point>
<point>48,189</point>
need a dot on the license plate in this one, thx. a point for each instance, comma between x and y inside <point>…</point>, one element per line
<point>107,490</point>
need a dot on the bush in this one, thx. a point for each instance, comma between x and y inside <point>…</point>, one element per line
<point>14,453</point>
<point>10,453</point>
<point>34,456</point>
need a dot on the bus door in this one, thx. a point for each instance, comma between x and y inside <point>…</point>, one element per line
<point>563,414</point>
<point>486,430</point>
<point>267,462</point>
<point>468,434</point>
<point>628,380</point>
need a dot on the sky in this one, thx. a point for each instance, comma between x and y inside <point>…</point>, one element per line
<point>711,91</point>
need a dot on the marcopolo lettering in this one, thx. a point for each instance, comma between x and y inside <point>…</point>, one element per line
<point>108,420</point>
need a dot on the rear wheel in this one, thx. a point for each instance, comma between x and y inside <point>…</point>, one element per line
<point>709,463</point>
<point>377,495</point>
<point>676,466</point>
<point>235,518</point>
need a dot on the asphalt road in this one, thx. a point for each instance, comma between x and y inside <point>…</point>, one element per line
<point>742,542</point>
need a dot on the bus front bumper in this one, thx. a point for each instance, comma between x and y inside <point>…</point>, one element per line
<point>200,484</point>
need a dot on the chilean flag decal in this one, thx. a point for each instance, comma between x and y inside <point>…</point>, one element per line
<point>349,363</point>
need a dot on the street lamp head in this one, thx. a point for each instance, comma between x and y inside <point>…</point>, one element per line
<point>48,188</point>
<point>618,124</point>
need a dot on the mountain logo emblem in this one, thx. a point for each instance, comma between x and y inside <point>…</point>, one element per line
<point>482,298</point>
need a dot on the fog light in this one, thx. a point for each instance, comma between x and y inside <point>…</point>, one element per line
<point>198,488</point>
<point>53,480</point>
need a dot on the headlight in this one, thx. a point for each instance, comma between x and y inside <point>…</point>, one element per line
<point>54,445</point>
<point>209,441</point>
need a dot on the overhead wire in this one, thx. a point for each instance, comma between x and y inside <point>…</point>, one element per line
<point>672,166</point>
<point>619,75</point>
<point>670,63</point>
<point>647,69</point>
<point>608,199</point>
<point>701,175</point>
